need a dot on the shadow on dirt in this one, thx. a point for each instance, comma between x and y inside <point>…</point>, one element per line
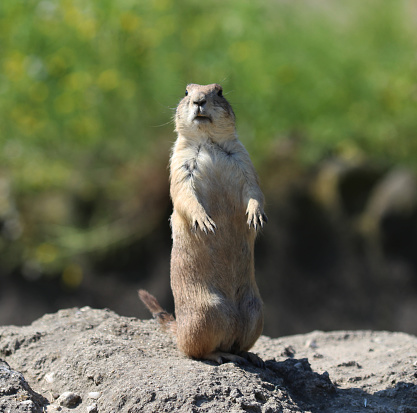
<point>314,392</point>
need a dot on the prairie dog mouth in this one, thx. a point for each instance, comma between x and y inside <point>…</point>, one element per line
<point>202,118</point>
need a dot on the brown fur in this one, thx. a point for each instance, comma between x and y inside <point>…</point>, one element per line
<point>218,207</point>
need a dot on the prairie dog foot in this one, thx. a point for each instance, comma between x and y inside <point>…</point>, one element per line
<point>256,215</point>
<point>244,357</point>
<point>253,358</point>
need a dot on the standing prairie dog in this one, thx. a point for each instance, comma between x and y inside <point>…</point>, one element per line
<point>218,208</point>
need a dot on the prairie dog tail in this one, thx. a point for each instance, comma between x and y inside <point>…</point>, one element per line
<point>166,320</point>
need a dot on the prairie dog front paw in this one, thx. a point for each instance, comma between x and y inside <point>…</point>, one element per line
<point>256,215</point>
<point>204,222</point>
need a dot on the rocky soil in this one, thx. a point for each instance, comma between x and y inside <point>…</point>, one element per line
<point>85,360</point>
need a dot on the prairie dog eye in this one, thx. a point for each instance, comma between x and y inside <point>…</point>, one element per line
<point>220,93</point>
<point>186,92</point>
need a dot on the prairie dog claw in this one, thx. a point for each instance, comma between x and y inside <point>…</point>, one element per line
<point>205,223</point>
<point>256,216</point>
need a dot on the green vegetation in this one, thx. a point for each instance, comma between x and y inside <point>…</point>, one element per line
<point>87,89</point>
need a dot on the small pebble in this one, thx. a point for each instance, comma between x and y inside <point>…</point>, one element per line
<point>289,351</point>
<point>234,394</point>
<point>69,399</point>
<point>94,395</point>
<point>50,377</point>
<point>52,408</point>
<point>311,344</point>
<point>27,403</point>
<point>92,408</point>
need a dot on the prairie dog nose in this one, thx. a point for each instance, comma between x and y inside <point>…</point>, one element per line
<point>200,100</point>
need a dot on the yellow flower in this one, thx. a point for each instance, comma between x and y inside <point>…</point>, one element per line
<point>108,80</point>
<point>38,92</point>
<point>78,80</point>
<point>87,28</point>
<point>72,276</point>
<point>46,253</point>
<point>64,103</point>
<point>162,5</point>
<point>129,22</point>
<point>14,66</point>
<point>85,126</point>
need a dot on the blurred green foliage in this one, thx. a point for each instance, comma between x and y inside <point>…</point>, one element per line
<point>88,88</point>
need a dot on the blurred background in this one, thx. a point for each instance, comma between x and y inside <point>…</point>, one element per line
<point>325,95</point>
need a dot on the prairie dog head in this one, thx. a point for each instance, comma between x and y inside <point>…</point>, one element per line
<point>205,113</point>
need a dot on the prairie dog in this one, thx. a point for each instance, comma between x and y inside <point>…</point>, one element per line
<point>218,208</point>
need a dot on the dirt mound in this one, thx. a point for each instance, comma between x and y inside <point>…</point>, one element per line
<point>85,360</point>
